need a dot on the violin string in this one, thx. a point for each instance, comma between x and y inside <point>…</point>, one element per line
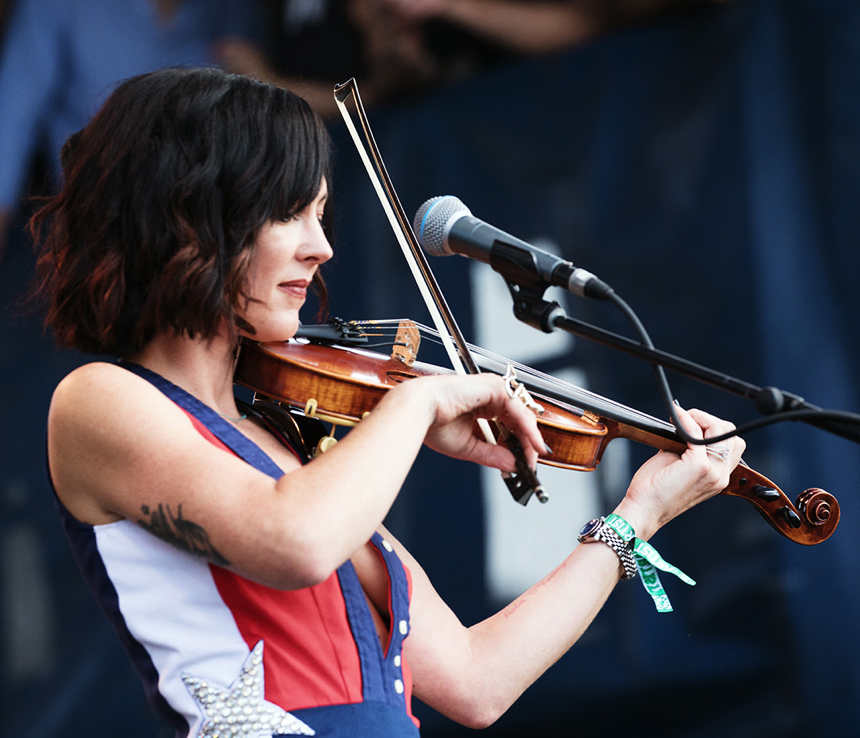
<point>389,326</point>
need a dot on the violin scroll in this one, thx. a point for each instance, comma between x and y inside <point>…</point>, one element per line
<point>809,521</point>
<point>818,507</point>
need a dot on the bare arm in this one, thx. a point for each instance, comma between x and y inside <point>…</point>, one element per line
<point>242,57</point>
<point>527,27</point>
<point>474,674</point>
<point>531,27</point>
<point>119,449</point>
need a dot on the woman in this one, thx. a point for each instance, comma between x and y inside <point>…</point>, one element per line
<point>253,591</point>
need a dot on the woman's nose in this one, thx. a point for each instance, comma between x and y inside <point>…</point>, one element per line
<point>318,247</point>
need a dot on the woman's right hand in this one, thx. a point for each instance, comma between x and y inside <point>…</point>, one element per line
<point>458,401</point>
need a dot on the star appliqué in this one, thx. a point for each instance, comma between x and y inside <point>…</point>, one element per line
<point>241,710</point>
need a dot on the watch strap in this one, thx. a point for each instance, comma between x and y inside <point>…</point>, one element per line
<point>605,534</point>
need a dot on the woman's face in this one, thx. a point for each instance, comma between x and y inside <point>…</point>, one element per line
<point>285,257</point>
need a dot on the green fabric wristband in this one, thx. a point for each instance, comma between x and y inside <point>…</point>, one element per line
<point>648,561</point>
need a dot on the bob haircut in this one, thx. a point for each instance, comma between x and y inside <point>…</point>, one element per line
<point>164,194</point>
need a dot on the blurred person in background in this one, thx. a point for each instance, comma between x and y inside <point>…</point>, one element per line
<point>61,58</point>
<point>399,48</point>
<point>450,39</point>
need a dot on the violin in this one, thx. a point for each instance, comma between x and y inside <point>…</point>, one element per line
<point>342,384</point>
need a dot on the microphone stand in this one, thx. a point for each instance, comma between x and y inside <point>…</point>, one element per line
<point>527,287</point>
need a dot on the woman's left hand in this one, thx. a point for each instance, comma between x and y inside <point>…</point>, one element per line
<point>667,484</point>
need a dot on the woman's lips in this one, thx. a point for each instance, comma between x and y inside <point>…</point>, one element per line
<point>297,288</point>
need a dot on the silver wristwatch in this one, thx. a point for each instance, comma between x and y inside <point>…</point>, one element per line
<point>598,530</point>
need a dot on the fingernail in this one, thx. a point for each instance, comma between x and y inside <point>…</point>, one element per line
<point>677,403</point>
<point>547,448</point>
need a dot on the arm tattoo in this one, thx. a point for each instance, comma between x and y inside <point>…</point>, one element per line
<point>179,532</point>
<point>521,600</point>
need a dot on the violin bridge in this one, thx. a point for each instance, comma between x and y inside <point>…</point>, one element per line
<point>406,342</point>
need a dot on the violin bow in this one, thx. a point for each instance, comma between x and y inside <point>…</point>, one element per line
<point>524,483</point>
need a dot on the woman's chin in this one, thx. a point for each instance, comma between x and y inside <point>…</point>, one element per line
<point>273,334</point>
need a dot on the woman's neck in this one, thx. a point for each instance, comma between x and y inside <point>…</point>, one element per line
<point>203,368</point>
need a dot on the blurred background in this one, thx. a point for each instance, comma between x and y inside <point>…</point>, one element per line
<point>703,158</point>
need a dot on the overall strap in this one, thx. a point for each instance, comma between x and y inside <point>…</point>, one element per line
<point>223,430</point>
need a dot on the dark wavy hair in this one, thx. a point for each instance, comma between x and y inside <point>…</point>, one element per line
<point>164,194</point>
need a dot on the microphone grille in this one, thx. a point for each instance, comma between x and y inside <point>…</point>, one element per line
<point>431,223</point>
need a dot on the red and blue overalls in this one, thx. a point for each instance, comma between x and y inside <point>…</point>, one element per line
<point>222,655</point>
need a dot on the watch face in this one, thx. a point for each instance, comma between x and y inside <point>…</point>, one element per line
<point>589,529</point>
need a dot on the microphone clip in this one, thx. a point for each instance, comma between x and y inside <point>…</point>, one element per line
<point>532,309</point>
<point>522,275</point>
<point>518,266</point>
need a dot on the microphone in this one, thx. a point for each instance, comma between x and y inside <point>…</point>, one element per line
<point>445,226</point>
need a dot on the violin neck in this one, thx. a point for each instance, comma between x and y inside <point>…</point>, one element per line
<point>626,422</point>
<point>660,435</point>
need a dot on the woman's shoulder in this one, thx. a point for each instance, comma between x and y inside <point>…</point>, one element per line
<point>105,425</point>
<point>82,388</point>
<point>93,376</point>
<point>96,401</point>
<point>100,384</point>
